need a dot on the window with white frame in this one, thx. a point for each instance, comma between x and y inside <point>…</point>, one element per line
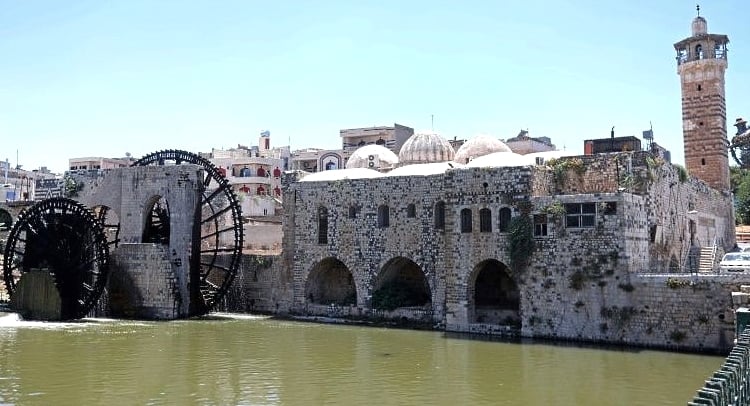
<point>580,215</point>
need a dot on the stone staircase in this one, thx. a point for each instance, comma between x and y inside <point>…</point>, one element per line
<point>707,259</point>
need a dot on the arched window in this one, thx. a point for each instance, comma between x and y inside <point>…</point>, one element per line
<point>322,225</point>
<point>384,216</point>
<point>261,190</point>
<point>245,189</point>
<point>261,172</point>
<point>485,220</point>
<point>699,51</point>
<point>504,217</point>
<point>352,212</point>
<point>380,142</point>
<point>466,220</point>
<point>277,191</point>
<point>277,173</point>
<point>440,215</point>
<point>245,172</point>
<point>411,211</point>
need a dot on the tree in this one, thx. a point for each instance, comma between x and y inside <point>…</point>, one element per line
<point>740,184</point>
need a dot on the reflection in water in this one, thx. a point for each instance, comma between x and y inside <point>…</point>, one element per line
<point>236,359</point>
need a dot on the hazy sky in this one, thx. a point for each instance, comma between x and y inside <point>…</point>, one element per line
<point>102,78</point>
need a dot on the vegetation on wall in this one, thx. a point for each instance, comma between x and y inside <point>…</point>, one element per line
<point>682,173</point>
<point>677,335</point>
<point>70,187</point>
<point>555,209</point>
<point>560,167</point>
<point>520,241</point>
<point>394,295</point>
<point>619,315</point>
<point>676,283</point>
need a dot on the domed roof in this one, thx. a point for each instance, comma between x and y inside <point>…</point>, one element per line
<point>424,169</point>
<point>373,157</point>
<point>479,146</point>
<point>425,148</point>
<point>341,174</point>
<point>500,159</point>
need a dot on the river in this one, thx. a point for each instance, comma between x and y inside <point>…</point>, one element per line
<point>252,360</point>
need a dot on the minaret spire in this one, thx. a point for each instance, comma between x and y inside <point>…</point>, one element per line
<point>698,9</point>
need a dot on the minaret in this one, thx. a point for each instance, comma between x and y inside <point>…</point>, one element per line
<point>701,62</point>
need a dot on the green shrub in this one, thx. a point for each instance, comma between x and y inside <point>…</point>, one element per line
<point>520,242</point>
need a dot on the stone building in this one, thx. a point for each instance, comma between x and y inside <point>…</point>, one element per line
<point>392,138</point>
<point>92,163</point>
<point>618,246</point>
<point>524,144</point>
<point>318,160</point>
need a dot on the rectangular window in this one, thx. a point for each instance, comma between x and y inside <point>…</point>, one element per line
<point>540,225</point>
<point>440,215</point>
<point>485,220</point>
<point>466,220</point>
<point>580,215</point>
<point>384,216</point>
<point>322,225</point>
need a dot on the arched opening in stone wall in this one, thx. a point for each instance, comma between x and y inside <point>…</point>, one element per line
<point>494,297</point>
<point>401,283</point>
<point>331,282</point>
<point>156,228</point>
<point>6,220</point>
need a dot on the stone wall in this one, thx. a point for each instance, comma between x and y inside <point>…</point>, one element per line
<point>142,283</point>
<point>262,285</point>
<point>678,312</point>
<point>580,283</point>
<point>131,193</point>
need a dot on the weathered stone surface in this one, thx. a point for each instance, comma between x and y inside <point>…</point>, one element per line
<point>603,283</point>
<point>36,297</point>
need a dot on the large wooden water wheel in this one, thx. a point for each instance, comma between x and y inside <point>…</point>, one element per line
<point>61,240</point>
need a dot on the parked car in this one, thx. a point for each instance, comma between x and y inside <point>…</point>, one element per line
<point>735,262</point>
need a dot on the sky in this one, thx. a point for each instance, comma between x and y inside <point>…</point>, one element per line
<point>104,78</point>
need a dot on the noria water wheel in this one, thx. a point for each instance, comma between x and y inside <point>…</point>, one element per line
<point>220,221</point>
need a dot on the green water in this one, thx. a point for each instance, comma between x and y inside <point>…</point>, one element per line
<point>245,360</point>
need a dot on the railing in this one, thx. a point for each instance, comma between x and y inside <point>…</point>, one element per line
<point>729,384</point>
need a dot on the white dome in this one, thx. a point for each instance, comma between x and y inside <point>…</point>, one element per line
<point>423,169</point>
<point>501,159</point>
<point>372,157</point>
<point>425,148</point>
<point>479,146</point>
<point>339,174</point>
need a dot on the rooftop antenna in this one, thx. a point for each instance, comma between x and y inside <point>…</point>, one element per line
<point>648,135</point>
<point>432,122</point>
